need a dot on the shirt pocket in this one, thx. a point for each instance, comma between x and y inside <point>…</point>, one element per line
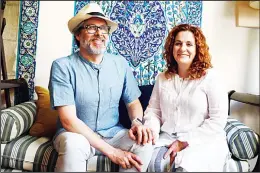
<point>115,94</point>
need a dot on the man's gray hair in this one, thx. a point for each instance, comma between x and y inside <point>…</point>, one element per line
<point>76,31</point>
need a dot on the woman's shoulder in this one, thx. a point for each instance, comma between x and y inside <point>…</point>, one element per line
<point>212,78</point>
<point>214,82</point>
<point>161,76</point>
<point>211,74</point>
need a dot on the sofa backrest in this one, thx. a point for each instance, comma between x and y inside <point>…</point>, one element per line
<point>146,91</point>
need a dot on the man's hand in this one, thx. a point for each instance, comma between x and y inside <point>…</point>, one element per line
<point>126,159</point>
<point>141,134</point>
<point>173,148</point>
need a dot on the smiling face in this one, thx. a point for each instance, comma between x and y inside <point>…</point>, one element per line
<point>184,48</point>
<point>94,44</point>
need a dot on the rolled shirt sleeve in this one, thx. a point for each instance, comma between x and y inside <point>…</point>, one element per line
<point>60,87</point>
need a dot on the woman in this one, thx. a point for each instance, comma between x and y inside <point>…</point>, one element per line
<point>187,107</point>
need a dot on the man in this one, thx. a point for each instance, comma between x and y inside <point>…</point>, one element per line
<point>85,88</point>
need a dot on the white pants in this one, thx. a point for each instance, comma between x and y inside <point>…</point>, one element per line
<point>74,149</point>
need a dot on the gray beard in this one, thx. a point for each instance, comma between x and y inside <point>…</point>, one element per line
<point>91,50</point>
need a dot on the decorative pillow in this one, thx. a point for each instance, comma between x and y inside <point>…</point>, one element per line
<point>243,141</point>
<point>16,120</point>
<point>46,118</point>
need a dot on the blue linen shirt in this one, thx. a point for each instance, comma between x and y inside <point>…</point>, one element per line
<point>94,89</point>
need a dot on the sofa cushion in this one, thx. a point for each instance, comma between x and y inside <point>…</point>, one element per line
<point>46,118</point>
<point>35,154</point>
<point>12,170</point>
<point>243,142</point>
<point>16,120</point>
<point>29,153</point>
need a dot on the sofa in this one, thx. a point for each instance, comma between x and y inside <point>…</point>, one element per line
<point>23,153</point>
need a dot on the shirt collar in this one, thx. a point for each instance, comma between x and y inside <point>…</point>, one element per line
<point>91,64</point>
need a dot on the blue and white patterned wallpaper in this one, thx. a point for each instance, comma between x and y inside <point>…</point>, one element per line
<point>27,40</point>
<point>143,27</point>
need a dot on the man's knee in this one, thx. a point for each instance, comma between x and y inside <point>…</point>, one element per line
<point>148,147</point>
<point>69,142</point>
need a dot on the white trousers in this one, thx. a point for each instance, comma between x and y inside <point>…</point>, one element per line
<point>74,149</point>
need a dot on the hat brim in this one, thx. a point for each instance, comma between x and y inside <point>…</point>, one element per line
<point>76,20</point>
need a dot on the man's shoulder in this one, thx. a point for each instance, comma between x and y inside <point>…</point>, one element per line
<point>66,60</point>
<point>115,58</point>
<point>112,55</point>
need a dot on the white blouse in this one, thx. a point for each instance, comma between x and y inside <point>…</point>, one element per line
<point>189,110</point>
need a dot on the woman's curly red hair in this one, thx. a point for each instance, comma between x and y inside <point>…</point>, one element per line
<point>202,59</point>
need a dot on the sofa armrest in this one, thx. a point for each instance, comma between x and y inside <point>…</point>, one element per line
<point>250,99</point>
<point>16,120</point>
<point>243,142</point>
<point>246,98</point>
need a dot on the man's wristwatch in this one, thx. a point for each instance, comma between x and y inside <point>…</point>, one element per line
<point>137,121</point>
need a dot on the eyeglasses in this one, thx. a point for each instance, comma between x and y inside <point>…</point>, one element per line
<point>92,29</point>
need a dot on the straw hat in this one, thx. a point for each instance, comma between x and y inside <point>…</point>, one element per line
<point>88,11</point>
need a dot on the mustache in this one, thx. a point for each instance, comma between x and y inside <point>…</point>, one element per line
<point>97,38</point>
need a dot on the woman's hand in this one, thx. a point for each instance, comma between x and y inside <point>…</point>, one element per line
<point>173,148</point>
<point>126,159</point>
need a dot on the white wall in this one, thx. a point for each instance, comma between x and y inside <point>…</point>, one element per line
<point>54,39</point>
<point>235,55</point>
<point>10,34</point>
<point>234,50</point>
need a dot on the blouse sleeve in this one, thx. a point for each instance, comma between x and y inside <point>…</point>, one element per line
<point>217,100</point>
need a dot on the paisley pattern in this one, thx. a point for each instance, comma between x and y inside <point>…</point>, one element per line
<point>27,40</point>
<point>143,27</point>
<point>141,30</point>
